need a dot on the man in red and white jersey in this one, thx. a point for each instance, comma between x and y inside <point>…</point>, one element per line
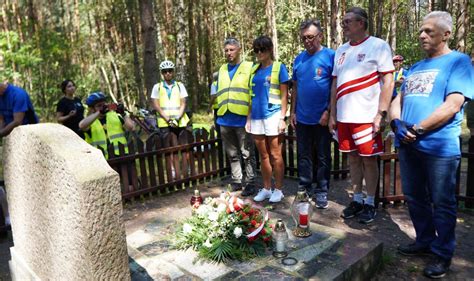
<point>361,91</point>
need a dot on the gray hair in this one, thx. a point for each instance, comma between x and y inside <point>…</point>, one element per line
<point>309,22</point>
<point>444,19</point>
<point>232,41</point>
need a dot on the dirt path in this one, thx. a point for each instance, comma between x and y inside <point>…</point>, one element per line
<point>392,226</point>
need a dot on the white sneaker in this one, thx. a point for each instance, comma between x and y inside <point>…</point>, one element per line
<point>276,197</point>
<point>263,194</point>
<point>7,221</point>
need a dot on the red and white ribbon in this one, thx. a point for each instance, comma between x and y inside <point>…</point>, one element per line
<point>257,231</point>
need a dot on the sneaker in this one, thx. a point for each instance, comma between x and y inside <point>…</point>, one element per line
<point>276,197</point>
<point>263,194</point>
<point>322,200</point>
<point>414,250</point>
<point>352,210</point>
<point>235,186</point>
<point>368,214</point>
<point>437,268</point>
<point>249,189</point>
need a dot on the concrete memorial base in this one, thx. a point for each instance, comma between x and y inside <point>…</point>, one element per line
<point>328,254</point>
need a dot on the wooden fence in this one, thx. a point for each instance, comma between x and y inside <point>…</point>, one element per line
<point>146,168</point>
<point>390,186</point>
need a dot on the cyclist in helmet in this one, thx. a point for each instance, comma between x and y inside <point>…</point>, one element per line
<point>103,127</point>
<point>169,100</point>
<point>399,74</point>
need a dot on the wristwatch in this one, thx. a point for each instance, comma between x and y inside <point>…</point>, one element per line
<point>419,130</point>
<point>382,113</point>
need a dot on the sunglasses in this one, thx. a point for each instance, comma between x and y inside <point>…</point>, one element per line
<point>348,21</point>
<point>308,37</point>
<point>167,71</point>
<point>259,50</point>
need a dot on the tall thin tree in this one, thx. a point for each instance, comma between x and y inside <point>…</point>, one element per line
<point>150,63</point>
<point>181,39</point>
<point>271,24</point>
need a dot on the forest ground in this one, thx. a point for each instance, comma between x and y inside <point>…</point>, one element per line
<point>392,227</point>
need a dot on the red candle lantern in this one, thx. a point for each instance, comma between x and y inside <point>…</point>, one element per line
<point>301,211</point>
<point>196,199</point>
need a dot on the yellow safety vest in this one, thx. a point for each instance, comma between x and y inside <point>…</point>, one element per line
<point>115,134</point>
<point>233,95</point>
<point>396,77</point>
<point>170,105</point>
<point>215,105</point>
<point>274,95</point>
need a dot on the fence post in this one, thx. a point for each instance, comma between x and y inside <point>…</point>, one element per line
<point>470,174</point>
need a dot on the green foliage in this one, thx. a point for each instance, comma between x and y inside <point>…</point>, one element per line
<point>16,54</point>
<point>81,40</point>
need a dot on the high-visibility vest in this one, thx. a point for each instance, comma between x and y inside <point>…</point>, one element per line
<point>274,94</point>
<point>215,105</point>
<point>399,74</point>
<point>233,95</point>
<point>170,105</point>
<point>115,134</point>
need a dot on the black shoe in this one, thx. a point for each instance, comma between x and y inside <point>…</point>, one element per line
<point>236,186</point>
<point>249,190</point>
<point>368,214</point>
<point>437,268</point>
<point>352,210</point>
<point>414,250</point>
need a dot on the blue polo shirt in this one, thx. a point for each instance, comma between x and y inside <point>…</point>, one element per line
<point>313,74</point>
<point>14,100</point>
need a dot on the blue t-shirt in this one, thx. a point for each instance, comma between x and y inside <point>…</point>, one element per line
<point>313,74</point>
<point>426,87</point>
<point>230,119</point>
<point>261,108</point>
<point>15,100</point>
<point>397,76</point>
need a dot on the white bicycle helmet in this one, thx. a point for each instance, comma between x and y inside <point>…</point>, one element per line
<point>166,65</point>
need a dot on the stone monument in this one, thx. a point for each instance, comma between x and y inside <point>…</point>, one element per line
<point>65,206</point>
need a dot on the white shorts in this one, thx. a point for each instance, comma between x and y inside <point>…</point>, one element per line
<point>267,127</point>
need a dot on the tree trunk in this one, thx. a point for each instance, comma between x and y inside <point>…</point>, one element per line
<point>460,26</point>
<point>136,60</point>
<point>371,17</point>
<point>181,32</point>
<point>208,34</point>
<point>325,23</point>
<point>271,25</point>
<point>379,18</point>
<point>393,26</point>
<point>334,12</point>
<point>193,62</point>
<point>150,63</point>
<point>443,5</point>
<point>340,14</point>
<point>431,5</point>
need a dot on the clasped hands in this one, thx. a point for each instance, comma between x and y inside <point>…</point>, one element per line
<point>404,131</point>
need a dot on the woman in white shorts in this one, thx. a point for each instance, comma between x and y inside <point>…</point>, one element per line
<point>266,118</point>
